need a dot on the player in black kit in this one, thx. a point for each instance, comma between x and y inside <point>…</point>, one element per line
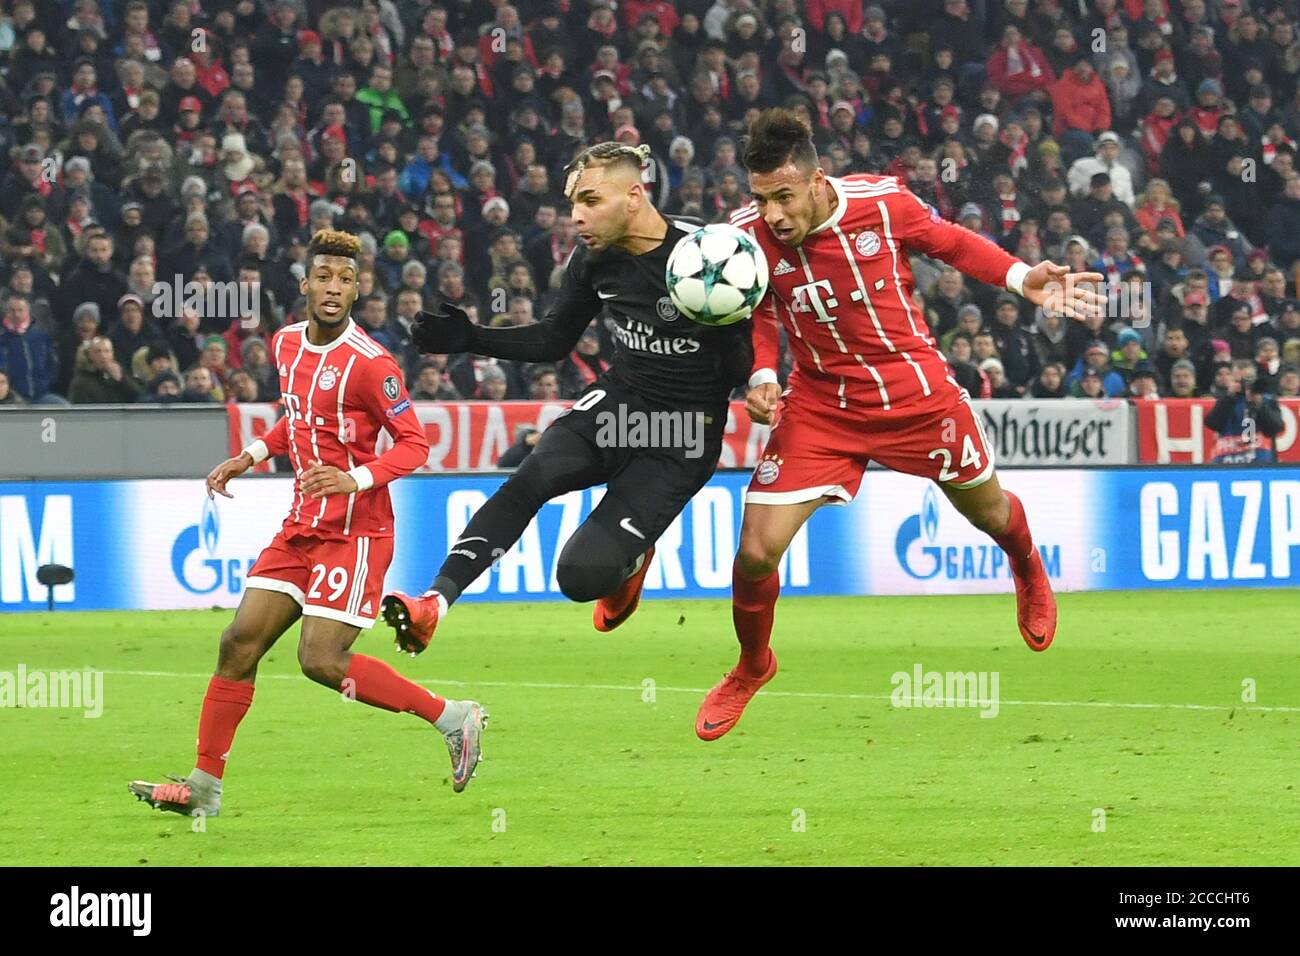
<point>667,372</point>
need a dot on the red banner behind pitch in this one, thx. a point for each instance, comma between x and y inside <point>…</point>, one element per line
<point>1172,431</point>
<point>470,436</point>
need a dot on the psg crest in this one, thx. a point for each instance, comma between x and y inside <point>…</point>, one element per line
<point>868,243</point>
<point>667,311</point>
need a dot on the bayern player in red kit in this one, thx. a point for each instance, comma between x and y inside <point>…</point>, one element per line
<point>327,563</point>
<point>869,383</point>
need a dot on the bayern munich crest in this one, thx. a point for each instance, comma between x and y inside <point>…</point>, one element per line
<point>767,471</point>
<point>329,377</point>
<point>667,311</point>
<point>868,243</point>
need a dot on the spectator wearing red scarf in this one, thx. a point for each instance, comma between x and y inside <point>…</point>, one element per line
<point>583,365</point>
<point>1209,107</point>
<point>209,72</point>
<point>1156,129</point>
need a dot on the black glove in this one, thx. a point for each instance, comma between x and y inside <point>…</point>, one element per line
<point>439,333</point>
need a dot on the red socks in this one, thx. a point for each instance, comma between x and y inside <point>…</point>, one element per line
<point>370,680</point>
<point>373,682</point>
<point>1016,540</point>
<point>753,605</point>
<point>224,706</point>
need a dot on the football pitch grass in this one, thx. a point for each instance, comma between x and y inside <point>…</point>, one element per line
<point>1127,743</point>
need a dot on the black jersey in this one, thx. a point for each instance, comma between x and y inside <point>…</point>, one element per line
<point>658,352</point>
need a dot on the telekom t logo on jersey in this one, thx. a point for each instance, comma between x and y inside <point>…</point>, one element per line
<point>810,295</point>
<point>293,410</point>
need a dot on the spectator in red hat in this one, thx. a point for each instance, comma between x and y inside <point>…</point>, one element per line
<point>1164,81</point>
<point>183,83</point>
<point>311,66</point>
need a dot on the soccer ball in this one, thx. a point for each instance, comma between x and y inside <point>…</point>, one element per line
<point>717,275</point>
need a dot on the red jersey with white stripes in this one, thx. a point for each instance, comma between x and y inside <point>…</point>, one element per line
<point>337,399</point>
<point>845,294</point>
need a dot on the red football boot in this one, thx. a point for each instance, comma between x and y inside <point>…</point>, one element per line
<point>413,619</point>
<point>1036,606</point>
<point>613,610</point>
<point>724,704</point>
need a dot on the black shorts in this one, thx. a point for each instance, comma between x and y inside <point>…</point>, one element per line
<point>653,458</point>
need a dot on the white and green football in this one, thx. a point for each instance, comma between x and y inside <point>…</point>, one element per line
<point>717,275</point>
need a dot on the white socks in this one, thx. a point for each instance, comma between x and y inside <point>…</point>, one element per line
<point>443,606</point>
<point>453,715</point>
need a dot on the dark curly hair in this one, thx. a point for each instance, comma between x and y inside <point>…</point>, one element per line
<point>778,137</point>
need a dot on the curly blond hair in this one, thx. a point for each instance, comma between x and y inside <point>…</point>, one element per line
<point>334,242</point>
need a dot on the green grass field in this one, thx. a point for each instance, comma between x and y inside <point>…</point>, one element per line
<point>1137,711</point>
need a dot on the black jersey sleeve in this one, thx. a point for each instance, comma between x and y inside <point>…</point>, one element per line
<point>554,337</point>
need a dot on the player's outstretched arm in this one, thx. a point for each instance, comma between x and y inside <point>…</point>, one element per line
<point>549,340</point>
<point>1057,289</point>
<point>1046,284</point>
<point>443,332</point>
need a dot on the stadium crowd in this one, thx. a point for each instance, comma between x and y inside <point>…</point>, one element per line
<point>158,146</point>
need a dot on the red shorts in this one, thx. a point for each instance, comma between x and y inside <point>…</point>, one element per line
<point>341,579</point>
<point>819,450</point>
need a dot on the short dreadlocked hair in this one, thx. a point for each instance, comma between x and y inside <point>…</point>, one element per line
<point>777,137</point>
<point>333,242</point>
<point>604,154</point>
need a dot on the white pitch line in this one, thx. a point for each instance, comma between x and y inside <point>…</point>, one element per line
<point>637,688</point>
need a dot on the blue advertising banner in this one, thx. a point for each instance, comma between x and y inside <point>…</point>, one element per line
<point>163,544</point>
